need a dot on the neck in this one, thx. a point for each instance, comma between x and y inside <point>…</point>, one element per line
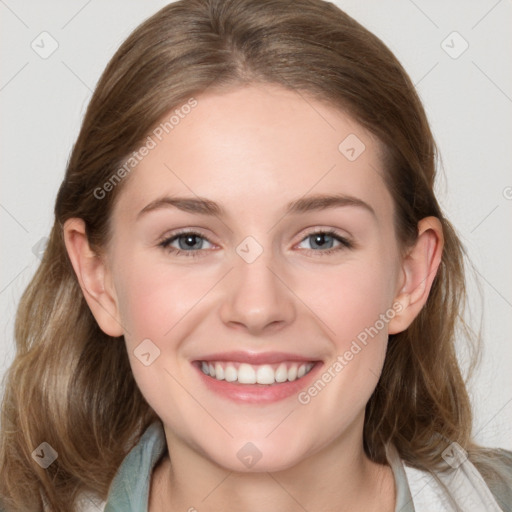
<point>339,476</point>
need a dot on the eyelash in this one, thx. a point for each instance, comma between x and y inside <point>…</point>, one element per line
<point>165,244</point>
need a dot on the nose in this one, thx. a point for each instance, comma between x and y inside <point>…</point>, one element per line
<point>257,298</point>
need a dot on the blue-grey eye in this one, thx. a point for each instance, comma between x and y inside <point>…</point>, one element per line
<point>321,240</point>
<point>188,242</point>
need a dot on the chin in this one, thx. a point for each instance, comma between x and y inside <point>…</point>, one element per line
<point>257,457</point>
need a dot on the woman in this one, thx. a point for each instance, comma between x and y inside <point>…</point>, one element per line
<point>250,292</point>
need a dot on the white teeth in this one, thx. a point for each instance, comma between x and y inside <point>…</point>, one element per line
<point>230,373</point>
<point>292,372</point>
<point>281,373</point>
<point>219,372</point>
<point>265,375</point>
<point>246,374</point>
<point>251,374</point>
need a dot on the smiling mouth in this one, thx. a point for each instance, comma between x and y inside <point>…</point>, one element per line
<point>266,374</point>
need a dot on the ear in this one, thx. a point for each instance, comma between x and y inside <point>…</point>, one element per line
<point>93,277</point>
<point>419,268</point>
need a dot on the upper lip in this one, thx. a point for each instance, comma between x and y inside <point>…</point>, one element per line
<point>256,358</point>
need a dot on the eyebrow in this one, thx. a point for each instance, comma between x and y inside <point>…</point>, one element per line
<point>201,205</point>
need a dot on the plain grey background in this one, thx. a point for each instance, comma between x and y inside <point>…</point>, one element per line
<point>457,53</point>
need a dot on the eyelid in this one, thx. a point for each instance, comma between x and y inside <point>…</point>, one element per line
<point>336,233</point>
<point>184,231</point>
<point>346,242</point>
<point>164,242</point>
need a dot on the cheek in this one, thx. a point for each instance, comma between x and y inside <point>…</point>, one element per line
<point>355,305</point>
<point>351,298</point>
<point>153,299</point>
<point>156,302</point>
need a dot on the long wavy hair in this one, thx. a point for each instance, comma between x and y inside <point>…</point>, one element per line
<point>71,385</point>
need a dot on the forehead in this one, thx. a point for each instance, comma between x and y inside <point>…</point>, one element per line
<point>257,146</point>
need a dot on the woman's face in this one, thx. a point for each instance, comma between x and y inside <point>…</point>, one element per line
<point>253,282</point>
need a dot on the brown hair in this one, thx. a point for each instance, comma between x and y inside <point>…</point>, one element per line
<point>71,385</point>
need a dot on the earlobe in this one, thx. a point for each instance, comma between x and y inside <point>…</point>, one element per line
<point>419,268</point>
<point>91,272</point>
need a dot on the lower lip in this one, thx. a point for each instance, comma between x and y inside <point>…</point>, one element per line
<point>257,393</point>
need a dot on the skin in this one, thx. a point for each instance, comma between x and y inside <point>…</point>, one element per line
<point>252,150</point>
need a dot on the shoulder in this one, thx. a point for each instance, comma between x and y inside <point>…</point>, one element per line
<point>481,482</point>
<point>495,466</point>
<point>129,490</point>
